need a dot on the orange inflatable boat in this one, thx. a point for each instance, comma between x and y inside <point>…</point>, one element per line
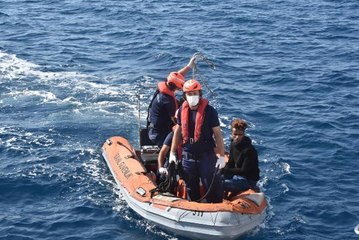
<point>226,220</point>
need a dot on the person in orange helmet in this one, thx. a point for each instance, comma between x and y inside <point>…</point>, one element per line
<point>197,124</point>
<point>162,108</point>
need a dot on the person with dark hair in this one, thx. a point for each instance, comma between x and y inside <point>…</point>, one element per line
<point>242,171</point>
<point>161,111</point>
<point>199,130</point>
<point>163,154</point>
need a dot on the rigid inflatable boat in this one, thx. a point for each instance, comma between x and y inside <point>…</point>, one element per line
<point>227,220</point>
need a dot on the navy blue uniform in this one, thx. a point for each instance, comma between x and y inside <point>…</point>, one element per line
<point>199,159</point>
<point>168,140</point>
<point>160,111</point>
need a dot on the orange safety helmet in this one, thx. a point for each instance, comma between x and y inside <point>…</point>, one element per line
<point>191,85</point>
<point>176,78</point>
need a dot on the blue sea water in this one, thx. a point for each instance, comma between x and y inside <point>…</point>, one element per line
<point>71,74</point>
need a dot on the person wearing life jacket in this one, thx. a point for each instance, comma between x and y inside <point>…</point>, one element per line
<point>242,171</point>
<point>199,130</point>
<point>164,104</point>
<point>166,175</point>
<point>166,147</point>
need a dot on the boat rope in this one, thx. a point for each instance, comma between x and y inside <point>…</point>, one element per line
<point>139,109</point>
<point>133,155</point>
<point>216,171</point>
<point>195,70</point>
<point>169,185</point>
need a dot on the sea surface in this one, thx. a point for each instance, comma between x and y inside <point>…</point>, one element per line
<point>75,72</point>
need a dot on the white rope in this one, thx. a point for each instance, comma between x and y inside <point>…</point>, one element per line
<point>200,56</point>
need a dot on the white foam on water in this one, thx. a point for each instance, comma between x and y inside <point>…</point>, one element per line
<point>46,96</point>
<point>83,91</point>
<point>300,219</point>
<point>59,75</point>
<point>94,177</point>
<point>92,168</point>
<point>263,181</point>
<point>286,168</point>
<point>14,68</point>
<point>72,100</point>
<point>257,229</point>
<point>120,99</point>
<point>153,228</point>
<point>2,130</point>
<point>26,143</point>
<point>42,169</point>
<point>285,187</point>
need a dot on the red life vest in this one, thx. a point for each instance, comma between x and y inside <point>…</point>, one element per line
<point>162,87</point>
<point>199,120</point>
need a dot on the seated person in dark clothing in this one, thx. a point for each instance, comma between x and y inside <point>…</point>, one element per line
<point>242,171</point>
<point>166,147</point>
<point>162,163</point>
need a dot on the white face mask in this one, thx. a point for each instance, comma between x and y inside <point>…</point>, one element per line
<point>192,100</point>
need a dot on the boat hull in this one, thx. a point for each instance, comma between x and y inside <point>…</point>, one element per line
<point>226,220</point>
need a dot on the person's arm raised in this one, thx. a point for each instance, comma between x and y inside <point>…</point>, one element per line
<point>189,66</point>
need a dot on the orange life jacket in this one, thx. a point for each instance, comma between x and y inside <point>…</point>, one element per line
<point>199,120</point>
<point>162,88</point>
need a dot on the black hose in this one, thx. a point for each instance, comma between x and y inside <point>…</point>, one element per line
<point>210,186</point>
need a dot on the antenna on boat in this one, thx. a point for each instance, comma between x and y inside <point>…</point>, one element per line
<point>139,110</point>
<point>195,71</point>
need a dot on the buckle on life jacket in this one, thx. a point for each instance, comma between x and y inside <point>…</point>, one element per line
<point>191,140</point>
<point>189,156</point>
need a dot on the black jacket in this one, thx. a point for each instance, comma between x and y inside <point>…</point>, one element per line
<point>243,160</point>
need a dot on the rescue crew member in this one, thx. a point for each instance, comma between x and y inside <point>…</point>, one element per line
<point>163,154</point>
<point>197,123</point>
<point>161,160</point>
<point>242,171</point>
<point>164,104</point>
